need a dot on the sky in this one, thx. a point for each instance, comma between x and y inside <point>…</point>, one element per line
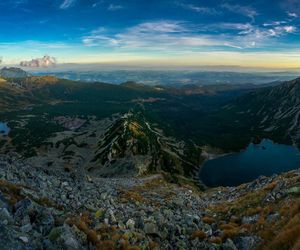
<point>256,33</point>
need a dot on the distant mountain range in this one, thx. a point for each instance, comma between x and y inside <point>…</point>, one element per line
<point>173,78</point>
<point>178,125</point>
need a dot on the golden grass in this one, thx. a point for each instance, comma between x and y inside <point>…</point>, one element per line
<point>281,233</point>
<point>208,220</point>
<point>131,195</point>
<point>198,234</point>
<point>136,129</point>
<point>287,239</point>
<point>229,226</point>
<point>42,80</point>
<point>285,232</point>
<point>296,245</point>
<point>271,186</point>
<point>216,240</point>
<point>105,237</point>
<point>229,233</point>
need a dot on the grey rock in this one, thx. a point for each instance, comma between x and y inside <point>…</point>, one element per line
<point>151,228</point>
<point>273,217</point>
<point>68,239</point>
<point>24,239</point>
<point>178,202</point>
<point>130,224</point>
<point>247,242</point>
<point>26,228</point>
<point>250,219</point>
<point>8,240</point>
<point>5,215</point>
<point>229,245</point>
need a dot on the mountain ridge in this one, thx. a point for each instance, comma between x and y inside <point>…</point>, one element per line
<point>273,112</point>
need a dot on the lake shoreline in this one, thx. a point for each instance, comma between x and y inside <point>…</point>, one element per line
<point>235,168</point>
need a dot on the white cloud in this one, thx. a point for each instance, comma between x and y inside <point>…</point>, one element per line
<point>262,37</point>
<point>280,30</point>
<point>275,23</point>
<point>289,29</point>
<point>67,4</point>
<point>46,61</point>
<point>292,14</point>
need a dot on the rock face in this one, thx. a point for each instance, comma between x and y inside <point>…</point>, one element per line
<point>272,112</point>
<point>47,209</point>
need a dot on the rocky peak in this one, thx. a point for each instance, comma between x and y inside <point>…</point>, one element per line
<point>132,147</point>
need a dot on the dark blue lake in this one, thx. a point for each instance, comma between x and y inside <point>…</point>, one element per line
<point>266,158</point>
<point>4,129</point>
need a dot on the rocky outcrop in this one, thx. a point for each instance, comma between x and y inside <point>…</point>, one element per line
<point>13,72</point>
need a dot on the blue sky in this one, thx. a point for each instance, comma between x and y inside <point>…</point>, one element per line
<point>246,33</point>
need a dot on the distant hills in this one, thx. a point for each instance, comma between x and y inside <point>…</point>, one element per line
<point>162,77</point>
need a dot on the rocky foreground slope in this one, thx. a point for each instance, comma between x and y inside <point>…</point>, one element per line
<point>45,209</point>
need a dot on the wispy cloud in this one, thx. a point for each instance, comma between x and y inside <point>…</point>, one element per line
<point>199,9</point>
<point>241,28</point>
<point>67,4</point>
<point>180,36</point>
<point>240,9</point>
<point>157,35</point>
<point>114,7</point>
<point>34,44</point>
<point>97,3</point>
<point>159,26</point>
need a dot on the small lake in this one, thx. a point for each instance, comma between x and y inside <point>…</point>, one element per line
<point>4,129</point>
<point>266,158</point>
